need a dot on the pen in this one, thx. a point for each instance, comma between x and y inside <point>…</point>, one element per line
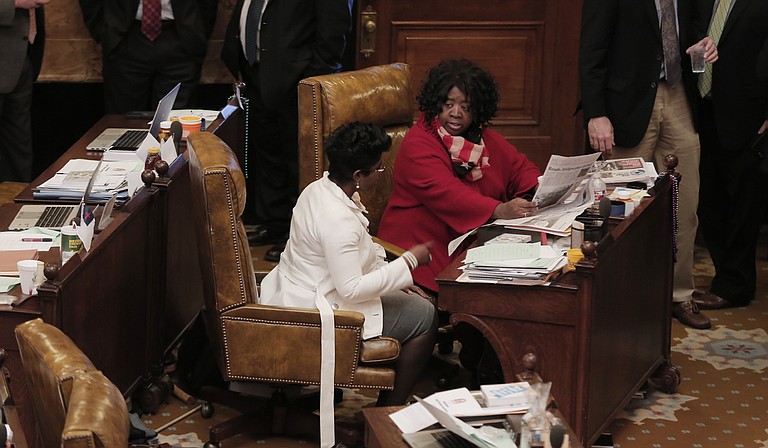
<point>36,240</point>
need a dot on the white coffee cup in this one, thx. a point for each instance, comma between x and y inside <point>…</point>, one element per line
<point>27,275</point>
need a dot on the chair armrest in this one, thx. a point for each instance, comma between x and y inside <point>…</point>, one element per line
<point>296,316</point>
<point>393,250</point>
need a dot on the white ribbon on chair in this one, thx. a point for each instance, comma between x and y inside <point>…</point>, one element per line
<point>327,354</point>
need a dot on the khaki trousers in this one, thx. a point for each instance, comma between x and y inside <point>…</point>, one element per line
<point>670,131</point>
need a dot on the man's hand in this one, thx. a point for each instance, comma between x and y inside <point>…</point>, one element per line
<point>600,132</point>
<point>710,49</point>
<point>29,4</point>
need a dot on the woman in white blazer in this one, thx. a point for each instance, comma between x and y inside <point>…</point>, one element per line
<point>330,258</point>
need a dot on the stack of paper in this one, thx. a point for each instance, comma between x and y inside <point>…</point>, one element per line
<point>510,394</point>
<point>633,169</point>
<point>517,263</point>
<point>70,182</point>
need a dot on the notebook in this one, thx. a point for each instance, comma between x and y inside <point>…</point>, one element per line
<point>125,139</point>
<point>50,216</point>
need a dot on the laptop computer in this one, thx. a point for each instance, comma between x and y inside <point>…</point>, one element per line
<point>126,139</point>
<point>52,216</point>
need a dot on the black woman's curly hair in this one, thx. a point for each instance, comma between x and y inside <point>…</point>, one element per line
<point>476,83</point>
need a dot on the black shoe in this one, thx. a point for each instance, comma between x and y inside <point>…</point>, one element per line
<point>263,235</point>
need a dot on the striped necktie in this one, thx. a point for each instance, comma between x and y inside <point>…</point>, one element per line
<point>32,26</point>
<point>670,43</point>
<point>151,20</point>
<point>715,31</point>
<point>252,30</point>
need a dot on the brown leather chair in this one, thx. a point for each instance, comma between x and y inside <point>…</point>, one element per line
<point>380,95</point>
<point>74,403</point>
<point>255,343</point>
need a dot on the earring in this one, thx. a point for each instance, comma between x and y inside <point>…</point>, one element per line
<point>357,185</point>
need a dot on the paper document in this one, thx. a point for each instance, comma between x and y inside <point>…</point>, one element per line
<point>562,176</point>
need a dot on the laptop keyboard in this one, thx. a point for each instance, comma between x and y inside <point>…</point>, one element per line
<point>130,139</point>
<point>54,217</point>
<point>448,439</point>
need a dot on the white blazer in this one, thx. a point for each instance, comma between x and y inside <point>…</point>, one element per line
<point>330,249</point>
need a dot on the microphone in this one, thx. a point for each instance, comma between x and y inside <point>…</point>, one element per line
<point>176,131</point>
<point>556,436</point>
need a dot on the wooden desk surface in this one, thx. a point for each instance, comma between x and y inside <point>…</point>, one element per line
<point>113,300</point>
<point>599,332</point>
<point>382,432</point>
<point>78,151</point>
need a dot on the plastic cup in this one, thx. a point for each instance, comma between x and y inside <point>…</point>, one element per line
<point>40,274</point>
<point>70,243</point>
<point>697,59</point>
<point>27,275</point>
<point>190,123</point>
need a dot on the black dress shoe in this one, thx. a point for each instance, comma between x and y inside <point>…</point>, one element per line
<point>263,235</point>
<point>688,314</point>
<point>709,301</point>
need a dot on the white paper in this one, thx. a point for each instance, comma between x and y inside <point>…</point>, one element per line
<point>13,240</point>
<point>168,151</point>
<point>510,251</point>
<point>413,418</point>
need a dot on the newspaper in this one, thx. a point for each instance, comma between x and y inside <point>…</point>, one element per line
<point>633,169</point>
<point>563,194</point>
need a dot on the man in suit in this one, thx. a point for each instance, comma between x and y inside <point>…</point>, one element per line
<point>272,45</point>
<point>148,47</point>
<point>637,100</point>
<point>22,38</point>
<point>733,111</point>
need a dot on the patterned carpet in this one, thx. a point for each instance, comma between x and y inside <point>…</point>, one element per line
<point>721,402</point>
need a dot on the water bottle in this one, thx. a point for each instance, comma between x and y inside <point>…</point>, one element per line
<point>598,186</point>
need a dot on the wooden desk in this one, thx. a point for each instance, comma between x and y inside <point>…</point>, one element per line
<point>599,332</point>
<point>129,296</point>
<point>382,432</point>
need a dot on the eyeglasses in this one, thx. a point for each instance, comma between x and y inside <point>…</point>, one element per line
<point>380,169</point>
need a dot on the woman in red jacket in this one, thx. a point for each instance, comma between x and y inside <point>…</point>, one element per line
<point>452,172</point>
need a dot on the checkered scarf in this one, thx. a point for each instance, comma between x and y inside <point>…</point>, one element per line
<point>468,159</point>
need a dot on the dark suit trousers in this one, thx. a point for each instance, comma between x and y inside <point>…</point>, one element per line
<point>16,129</point>
<point>273,155</point>
<point>731,210</point>
<point>139,72</point>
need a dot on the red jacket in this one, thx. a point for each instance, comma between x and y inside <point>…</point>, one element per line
<point>430,203</point>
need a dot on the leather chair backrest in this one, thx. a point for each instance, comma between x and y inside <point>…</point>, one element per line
<point>49,359</point>
<point>218,201</point>
<point>380,95</point>
<point>97,415</point>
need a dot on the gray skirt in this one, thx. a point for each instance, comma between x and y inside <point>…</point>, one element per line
<point>406,315</point>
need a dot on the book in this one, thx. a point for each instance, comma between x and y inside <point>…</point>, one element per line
<point>9,258</point>
<point>509,394</point>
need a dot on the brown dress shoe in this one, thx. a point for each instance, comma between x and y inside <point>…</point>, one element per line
<point>688,314</point>
<point>709,301</point>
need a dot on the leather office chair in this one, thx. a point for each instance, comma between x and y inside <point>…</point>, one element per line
<point>254,343</point>
<point>75,404</point>
<point>380,95</point>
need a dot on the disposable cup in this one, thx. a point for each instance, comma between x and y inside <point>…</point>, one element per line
<point>190,123</point>
<point>70,243</point>
<point>697,59</point>
<point>40,274</point>
<point>27,273</point>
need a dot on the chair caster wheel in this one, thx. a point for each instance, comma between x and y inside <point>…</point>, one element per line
<point>443,383</point>
<point>445,348</point>
<point>210,444</point>
<point>206,410</point>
